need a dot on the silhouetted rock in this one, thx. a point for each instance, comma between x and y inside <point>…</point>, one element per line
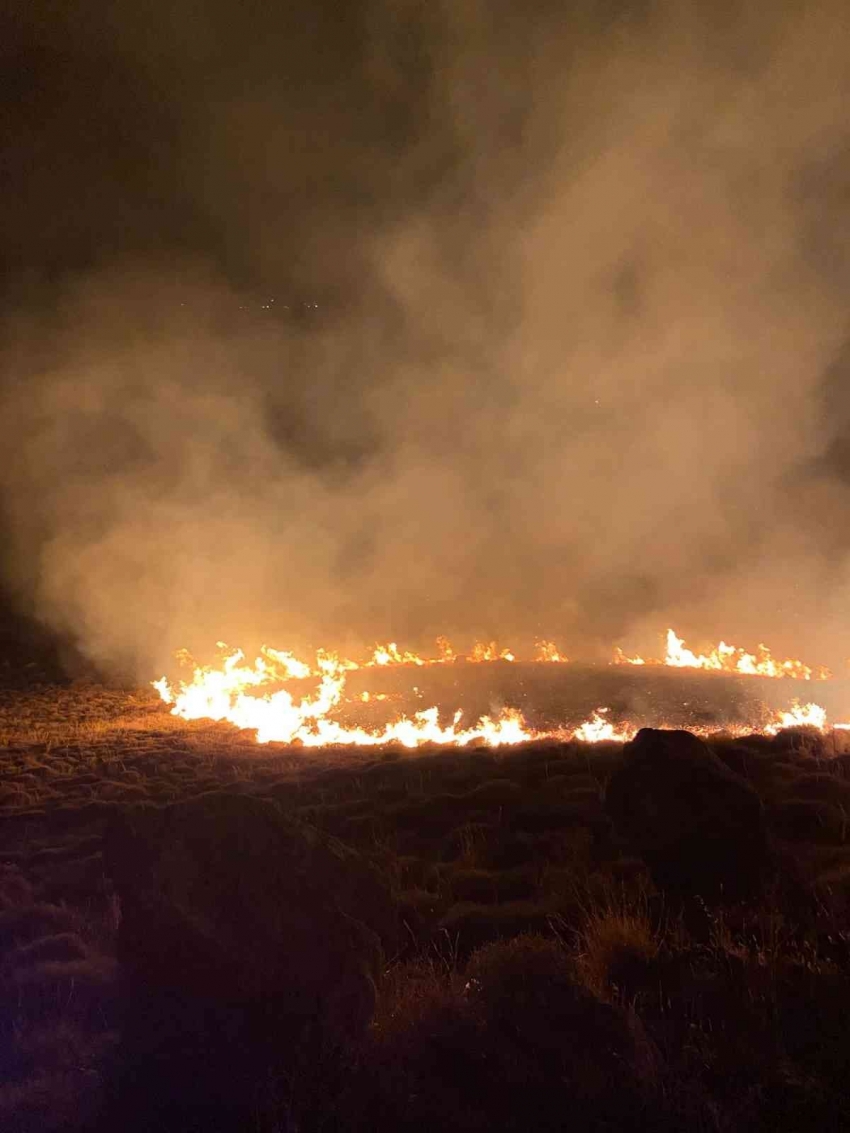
<point>699,826</point>
<point>241,933</point>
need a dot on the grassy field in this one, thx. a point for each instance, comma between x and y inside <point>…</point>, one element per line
<point>541,979</point>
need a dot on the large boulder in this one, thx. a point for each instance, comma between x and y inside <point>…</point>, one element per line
<point>699,827</point>
<point>240,934</point>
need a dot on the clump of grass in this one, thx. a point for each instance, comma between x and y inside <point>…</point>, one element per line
<point>415,991</point>
<point>617,950</point>
<point>519,977</point>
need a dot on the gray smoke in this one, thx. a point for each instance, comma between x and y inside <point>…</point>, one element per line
<point>577,365</point>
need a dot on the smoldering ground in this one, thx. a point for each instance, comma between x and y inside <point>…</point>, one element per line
<point>576,365</point>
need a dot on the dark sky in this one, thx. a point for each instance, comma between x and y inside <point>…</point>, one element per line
<point>339,322</point>
<point>263,137</point>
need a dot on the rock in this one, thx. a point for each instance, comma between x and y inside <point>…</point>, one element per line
<point>240,933</point>
<point>699,827</point>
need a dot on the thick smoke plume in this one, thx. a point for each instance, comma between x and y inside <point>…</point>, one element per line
<point>417,319</point>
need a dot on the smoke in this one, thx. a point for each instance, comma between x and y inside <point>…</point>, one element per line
<point>423,319</point>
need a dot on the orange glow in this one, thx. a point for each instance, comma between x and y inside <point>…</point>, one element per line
<point>599,729</point>
<point>252,696</point>
<point>799,715</point>
<point>389,655</point>
<point>731,659</point>
<point>725,658</point>
<point>483,651</point>
<point>548,651</point>
<point>230,692</point>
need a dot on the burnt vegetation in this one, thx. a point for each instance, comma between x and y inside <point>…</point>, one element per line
<point>200,933</point>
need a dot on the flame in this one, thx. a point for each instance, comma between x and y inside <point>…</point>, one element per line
<point>229,693</point>
<point>253,697</point>
<point>731,659</point>
<point>389,655</point>
<point>488,651</point>
<point>725,658</point>
<point>799,715</point>
<point>548,651</point>
<point>597,729</point>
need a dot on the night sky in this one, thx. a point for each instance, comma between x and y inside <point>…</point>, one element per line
<point>326,323</point>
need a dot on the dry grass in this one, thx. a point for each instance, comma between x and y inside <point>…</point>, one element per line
<point>739,1004</point>
<point>615,948</point>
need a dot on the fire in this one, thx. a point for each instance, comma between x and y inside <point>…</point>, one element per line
<point>598,729</point>
<point>731,659</point>
<point>483,651</point>
<point>235,692</point>
<point>253,697</point>
<point>799,715</point>
<point>548,651</point>
<point>725,658</point>
<point>389,655</point>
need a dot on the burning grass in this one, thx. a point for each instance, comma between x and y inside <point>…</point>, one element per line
<point>290,699</point>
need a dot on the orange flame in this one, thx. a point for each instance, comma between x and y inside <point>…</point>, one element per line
<point>725,658</point>
<point>389,655</point>
<point>230,693</point>
<point>731,659</point>
<point>598,729</point>
<point>799,715</point>
<point>251,697</point>
<point>548,651</point>
<point>484,651</point>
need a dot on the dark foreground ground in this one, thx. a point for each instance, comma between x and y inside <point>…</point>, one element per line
<point>541,977</point>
